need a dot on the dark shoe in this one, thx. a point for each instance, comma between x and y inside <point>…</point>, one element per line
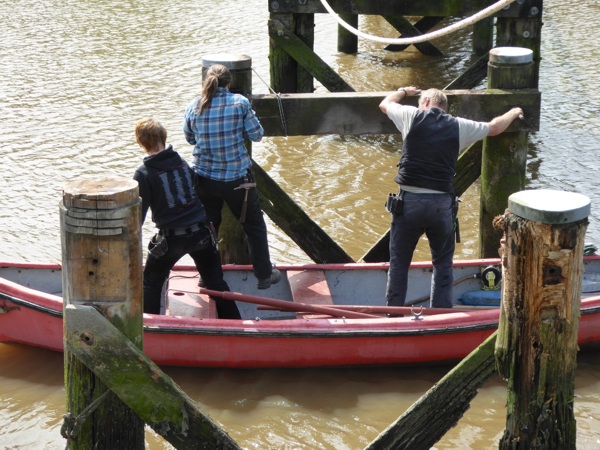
<point>201,283</point>
<point>265,283</point>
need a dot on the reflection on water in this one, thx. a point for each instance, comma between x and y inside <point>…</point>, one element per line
<point>75,76</point>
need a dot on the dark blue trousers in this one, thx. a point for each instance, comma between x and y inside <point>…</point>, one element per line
<point>429,214</point>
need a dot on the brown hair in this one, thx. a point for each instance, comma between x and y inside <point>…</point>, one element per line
<point>217,76</point>
<point>150,134</point>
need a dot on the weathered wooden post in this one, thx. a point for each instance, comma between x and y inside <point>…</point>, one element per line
<point>102,266</point>
<point>524,30</point>
<point>233,247</point>
<point>536,347</point>
<point>504,157</point>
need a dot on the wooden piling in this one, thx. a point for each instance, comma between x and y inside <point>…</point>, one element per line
<point>287,75</point>
<point>233,247</point>
<point>504,158</point>
<point>536,347</point>
<point>347,41</point>
<point>102,266</point>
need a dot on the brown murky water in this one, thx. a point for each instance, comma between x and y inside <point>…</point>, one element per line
<point>74,78</point>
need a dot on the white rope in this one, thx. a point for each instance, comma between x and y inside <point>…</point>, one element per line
<point>424,37</point>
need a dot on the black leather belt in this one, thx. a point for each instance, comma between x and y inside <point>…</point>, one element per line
<point>182,231</point>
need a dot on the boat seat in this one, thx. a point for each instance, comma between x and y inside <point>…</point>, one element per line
<point>183,299</point>
<point>309,286</point>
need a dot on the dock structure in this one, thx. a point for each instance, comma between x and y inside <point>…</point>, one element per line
<point>294,110</point>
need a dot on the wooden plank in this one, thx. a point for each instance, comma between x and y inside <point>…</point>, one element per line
<point>405,8</point>
<point>309,287</point>
<point>358,112</point>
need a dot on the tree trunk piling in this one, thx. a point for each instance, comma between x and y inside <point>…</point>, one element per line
<point>102,266</point>
<point>536,348</point>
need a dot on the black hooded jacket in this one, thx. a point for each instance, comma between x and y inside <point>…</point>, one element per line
<point>166,187</point>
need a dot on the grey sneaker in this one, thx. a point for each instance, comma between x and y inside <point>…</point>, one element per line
<point>265,283</point>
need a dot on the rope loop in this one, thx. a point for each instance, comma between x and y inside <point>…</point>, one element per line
<point>486,12</point>
<point>72,425</point>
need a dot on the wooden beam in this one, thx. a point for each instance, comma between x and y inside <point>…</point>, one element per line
<point>472,77</point>
<point>295,223</point>
<point>407,29</point>
<point>139,383</point>
<point>358,112</point>
<point>403,7</point>
<point>442,406</point>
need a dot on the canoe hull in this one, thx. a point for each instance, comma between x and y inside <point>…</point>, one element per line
<point>32,317</point>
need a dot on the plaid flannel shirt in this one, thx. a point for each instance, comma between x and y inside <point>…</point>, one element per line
<point>218,135</point>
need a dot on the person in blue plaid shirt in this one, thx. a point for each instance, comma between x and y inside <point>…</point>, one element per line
<point>217,123</point>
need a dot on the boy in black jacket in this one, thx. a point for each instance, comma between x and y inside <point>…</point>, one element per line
<point>166,187</point>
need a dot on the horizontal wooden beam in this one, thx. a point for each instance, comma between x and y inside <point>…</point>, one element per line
<point>358,112</point>
<point>529,8</point>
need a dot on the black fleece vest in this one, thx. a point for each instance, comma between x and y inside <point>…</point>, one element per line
<point>430,151</point>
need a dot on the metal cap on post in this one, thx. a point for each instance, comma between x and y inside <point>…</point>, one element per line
<point>511,55</point>
<point>240,67</point>
<point>510,68</point>
<point>549,206</point>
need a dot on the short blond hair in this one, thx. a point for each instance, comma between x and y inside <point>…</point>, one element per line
<point>150,134</point>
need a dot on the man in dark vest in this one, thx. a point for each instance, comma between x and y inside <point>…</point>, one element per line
<point>432,141</point>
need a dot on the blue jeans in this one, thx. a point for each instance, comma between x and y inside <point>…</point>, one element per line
<point>214,194</point>
<point>430,214</point>
<point>208,262</point>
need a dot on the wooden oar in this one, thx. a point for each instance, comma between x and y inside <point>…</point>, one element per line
<point>285,305</point>
<point>388,309</point>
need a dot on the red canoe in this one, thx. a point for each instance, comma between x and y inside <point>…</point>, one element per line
<point>343,327</point>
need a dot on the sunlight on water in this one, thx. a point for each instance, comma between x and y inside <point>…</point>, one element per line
<point>75,76</point>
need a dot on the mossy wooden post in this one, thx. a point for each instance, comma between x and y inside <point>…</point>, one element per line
<point>347,41</point>
<point>504,157</point>
<point>483,36</point>
<point>233,246</point>
<point>287,76</point>
<point>102,266</point>
<point>536,347</point>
